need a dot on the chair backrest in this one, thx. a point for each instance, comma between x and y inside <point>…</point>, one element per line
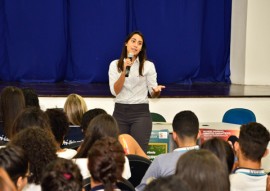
<point>124,184</point>
<point>239,116</point>
<point>74,146</point>
<point>156,117</point>
<point>74,135</point>
<point>87,184</point>
<point>138,167</point>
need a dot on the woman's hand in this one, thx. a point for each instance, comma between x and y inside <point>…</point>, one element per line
<point>157,90</point>
<point>127,62</point>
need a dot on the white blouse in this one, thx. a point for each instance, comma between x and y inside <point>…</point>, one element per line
<point>135,89</point>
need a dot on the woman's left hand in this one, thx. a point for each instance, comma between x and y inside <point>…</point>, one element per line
<point>158,88</point>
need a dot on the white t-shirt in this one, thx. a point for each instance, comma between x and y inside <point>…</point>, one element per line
<point>82,164</point>
<point>248,180</point>
<point>32,187</point>
<point>67,153</point>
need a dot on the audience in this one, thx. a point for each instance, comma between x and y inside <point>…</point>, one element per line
<point>250,148</point>
<point>101,126</point>
<point>202,171</point>
<point>12,103</point>
<point>40,148</point>
<point>31,97</point>
<point>14,161</point>
<point>36,138</point>
<point>106,160</point>
<point>89,115</point>
<point>5,182</point>
<point>167,183</point>
<point>61,175</point>
<point>222,149</point>
<point>30,117</point>
<point>185,132</point>
<point>59,125</point>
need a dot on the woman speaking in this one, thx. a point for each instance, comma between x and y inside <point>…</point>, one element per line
<point>131,78</point>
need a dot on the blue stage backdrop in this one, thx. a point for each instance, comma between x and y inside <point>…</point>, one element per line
<point>75,40</point>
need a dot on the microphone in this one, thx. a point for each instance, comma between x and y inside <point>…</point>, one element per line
<point>130,56</point>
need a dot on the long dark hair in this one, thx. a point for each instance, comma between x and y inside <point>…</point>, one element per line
<point>30,117</point>
<point>12,103</point>
<point>142,55</point>
<point>222,149</point>
<point>101,126</point>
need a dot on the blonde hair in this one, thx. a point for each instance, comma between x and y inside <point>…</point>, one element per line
<point>75,107</point>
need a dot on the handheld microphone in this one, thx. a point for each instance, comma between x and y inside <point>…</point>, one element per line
<point>130,56</point>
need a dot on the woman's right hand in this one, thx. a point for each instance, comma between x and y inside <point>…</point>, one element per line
<point>127,62</point>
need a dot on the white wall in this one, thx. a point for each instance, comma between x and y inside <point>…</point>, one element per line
<point>207,109</point>
<point>238,41</point>
<point>250,42</point>
<point>258,43</point>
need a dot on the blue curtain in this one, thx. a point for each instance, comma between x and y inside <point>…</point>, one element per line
<point>75,40</point>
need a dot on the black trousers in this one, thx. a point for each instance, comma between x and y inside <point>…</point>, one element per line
<point>134,119</point>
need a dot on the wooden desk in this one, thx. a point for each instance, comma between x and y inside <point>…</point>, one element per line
<point>207,130</point>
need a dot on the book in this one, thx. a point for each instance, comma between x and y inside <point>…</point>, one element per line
<point>159,143</point>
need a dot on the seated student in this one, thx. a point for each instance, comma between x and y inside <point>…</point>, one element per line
<point>129,144</point>
<point>11,104</point>
<point>202,171</point>
<point>101,126</point>
<point>61,174</point>
<point>185,132</point>
<point>250,148</point>
<point>40,148</point>
<point>222,149</point>
<point>59,126</point>
<point>14,161</point>
<point>89,115</point>
<point>106,160</point>
<point>6,183</point>
<point>75,107</point>
<point>30,97</point>
<point>30,117</point>
<point>167,183</point>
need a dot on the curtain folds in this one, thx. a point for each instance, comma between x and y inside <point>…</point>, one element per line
<point>75,41</point>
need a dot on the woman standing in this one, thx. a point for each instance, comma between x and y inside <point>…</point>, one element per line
<point>131,78</point>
